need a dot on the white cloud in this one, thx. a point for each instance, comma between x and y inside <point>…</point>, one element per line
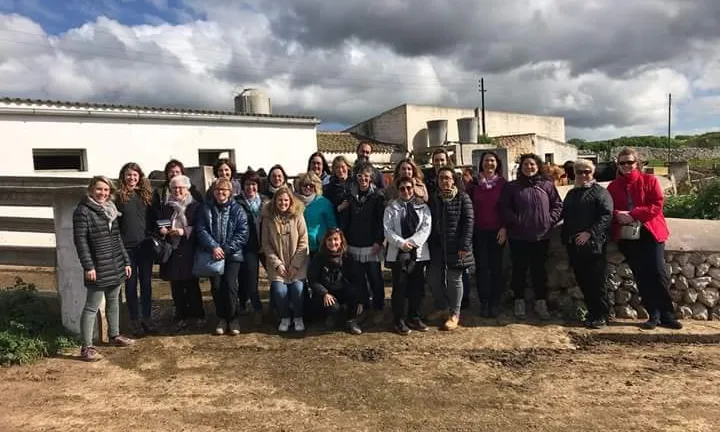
<point>535,61</point>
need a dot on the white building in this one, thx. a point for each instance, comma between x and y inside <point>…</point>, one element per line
<point>50,138</point>
<point>333,144</point>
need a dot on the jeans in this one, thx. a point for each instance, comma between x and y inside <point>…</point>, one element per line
<point>489,276</point>
<point>465,302</point>
<point>187,299</point>
<point>89,313</point>
<point>248,277</point>
<point>530,255</point>
<point>372,277</point>
<point>590,274</point>
<point>141,262</point>
<point>410,287</point>
<point>446,285</point>
<point>646,258</point>
<point>287,295</point>
<point>225,291</point>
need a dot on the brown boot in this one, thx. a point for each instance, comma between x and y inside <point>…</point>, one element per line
<point>452,322</point>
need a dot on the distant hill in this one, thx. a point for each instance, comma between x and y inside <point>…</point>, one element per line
<point>706,140</point>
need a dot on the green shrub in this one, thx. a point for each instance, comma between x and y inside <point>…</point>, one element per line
<point>703,205</point>
<point>680,206</point>
<point>30,325</point>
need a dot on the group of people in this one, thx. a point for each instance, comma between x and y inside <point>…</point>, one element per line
<point>323,240</point>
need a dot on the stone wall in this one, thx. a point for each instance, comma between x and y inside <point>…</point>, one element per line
<point>692,260</point>
<point>681,154</point>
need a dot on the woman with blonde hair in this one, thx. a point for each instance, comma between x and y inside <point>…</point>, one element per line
<point>337,189</point>
<point>587,213</point>
<point>319,213</point>
<point>284,240</point>
<point>104,260</point>
<point>136,219</point>
<point>407,168</point>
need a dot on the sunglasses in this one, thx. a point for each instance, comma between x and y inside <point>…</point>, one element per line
<point>583,172</point>
<point>406,188</point>
<point>626,162</point>
<point>308,185</point>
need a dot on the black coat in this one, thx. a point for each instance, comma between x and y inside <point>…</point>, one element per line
<point>136,220</point>
<point>325,275</point>
<point>587,209</point>
<point>337,192</point>
<point>362,220</point>
<point>99,245</point>
<point>179,266</point>
<point>452,229</point>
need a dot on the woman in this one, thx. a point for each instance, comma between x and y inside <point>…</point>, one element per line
<point>222,229</point>
<point>530,207</point>
<point>640,229</point>
<point>587,213</point>
<point>133,203</point>
<point>160,195</point>
<point>319,213</point>
<point>333,276</point>
<point>181,209</point>
<point>407,168</point>
<point>318,164</point>
<point>407,224</point>
<point>468,176</point>
<point>490,233</point>
<point>337,189</point>
<point>285,246</point>
<point>225,168</point>
<point>104,260</point>
<point>450,246</point>
<point>276,178</point>
<point>362,222</point>
<point>252,202</point>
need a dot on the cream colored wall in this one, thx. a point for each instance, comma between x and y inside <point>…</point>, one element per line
<point>562,152</point>
<point>389,127</point>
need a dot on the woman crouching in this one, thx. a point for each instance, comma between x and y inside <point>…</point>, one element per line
<point>334,278</point>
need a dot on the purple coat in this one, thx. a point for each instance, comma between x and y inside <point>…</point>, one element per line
<point>179,266</point>
<point>530,207</point>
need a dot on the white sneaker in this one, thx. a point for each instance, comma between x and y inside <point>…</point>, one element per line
<point>284,325</point>
<point>299,325</point>
<point>220,327</point>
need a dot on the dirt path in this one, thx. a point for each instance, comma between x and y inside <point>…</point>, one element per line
<point>491,378</point>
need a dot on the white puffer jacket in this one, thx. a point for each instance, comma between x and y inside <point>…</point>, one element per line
<point>393,230</point>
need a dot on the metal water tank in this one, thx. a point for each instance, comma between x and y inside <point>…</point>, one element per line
<point>252,101</point>
<point>437,132</point>
<point>467,130</point>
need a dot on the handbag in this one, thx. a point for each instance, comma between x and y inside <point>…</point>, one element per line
<point>204,265</point>
<point>161,249</point>
<point>630,231</point>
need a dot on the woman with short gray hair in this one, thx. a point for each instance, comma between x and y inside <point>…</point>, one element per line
<point>587,213</point>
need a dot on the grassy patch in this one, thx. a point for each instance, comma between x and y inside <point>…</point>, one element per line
<point>30,325</point>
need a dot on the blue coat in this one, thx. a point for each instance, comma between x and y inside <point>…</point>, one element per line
<point>223,226</point>
<point>319,217</point>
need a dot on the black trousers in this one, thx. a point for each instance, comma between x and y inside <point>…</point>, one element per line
<point>591,275</point>
<point>529,255</point>
<point>646,258</point>
<point>489,277</point>
<point>346,296</point>
<point>407,288</point>
<point>373,278</point>
<point>248,277</point>
<point>225,291</point>
<point>187,299</point>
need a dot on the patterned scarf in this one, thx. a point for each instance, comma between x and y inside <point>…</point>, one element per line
<point>179,205</point>
<point>448,195</point>
<point>109,209</point>
<point>489,182</point>
<point>254,204</point>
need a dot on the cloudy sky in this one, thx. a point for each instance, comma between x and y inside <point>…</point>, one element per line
<point>607,66</point>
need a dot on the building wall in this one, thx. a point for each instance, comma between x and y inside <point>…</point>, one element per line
<point>389,126</point>
<point>110,143</point>
<point>561,151</point>
<point>497,123</point>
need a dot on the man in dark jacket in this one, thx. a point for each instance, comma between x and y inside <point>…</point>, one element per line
<point>450,245</point>
<point>364,150</point>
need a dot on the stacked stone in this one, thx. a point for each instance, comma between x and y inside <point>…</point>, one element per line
<point>694,285</point>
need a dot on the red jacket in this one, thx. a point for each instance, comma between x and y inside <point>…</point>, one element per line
<point>647,198</point>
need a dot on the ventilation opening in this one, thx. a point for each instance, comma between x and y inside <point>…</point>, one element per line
<point>59,160</point>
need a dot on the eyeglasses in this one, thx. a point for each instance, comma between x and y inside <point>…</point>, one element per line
<point>629,162</point>
<point>583,172</point>
<point>308,186</point>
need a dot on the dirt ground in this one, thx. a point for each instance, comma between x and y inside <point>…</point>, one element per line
<point>490,375</point>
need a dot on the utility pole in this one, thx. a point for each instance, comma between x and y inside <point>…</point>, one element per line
<point>669,138</point>
<point>482,104</point>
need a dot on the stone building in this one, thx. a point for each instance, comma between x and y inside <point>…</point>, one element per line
<point>332,144</point>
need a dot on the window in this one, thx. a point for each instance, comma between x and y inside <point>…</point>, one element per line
<point>59,160</point>
<point>550,158</point>
<point>209,157</point>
